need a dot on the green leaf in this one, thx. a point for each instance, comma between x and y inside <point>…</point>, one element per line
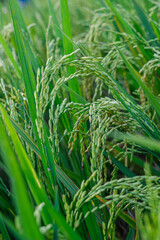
<point>49,155</point>
<point>139,162</point>
<point>144,20</point>
<point>49,214</point>
<point>28,222</point>
<point>74,94</point>
<point>124,24</point>
<point>68,183</point>
<point>10,56</point>
<point>56,25</point>
<point>29,80</point>
<point>140,140</point>
<point>25,62</point>
<point>91,222</point>
<point>126,171</point>
<point>131,234</point>
<point>68,46</point>
<point>12,229</point>
<point>4,231</point>
<point>137,78</point>
<point>27,40</point>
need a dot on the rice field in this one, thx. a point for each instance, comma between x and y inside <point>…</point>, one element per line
<point>79,120</point>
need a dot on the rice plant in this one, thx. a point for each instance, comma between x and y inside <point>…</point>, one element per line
<point>79,120</point>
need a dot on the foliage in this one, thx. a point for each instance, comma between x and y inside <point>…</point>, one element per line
<point>79,120</point>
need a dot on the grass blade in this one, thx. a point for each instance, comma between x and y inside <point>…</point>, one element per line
<point>56,25</point>
<point>74,94</point>
<point>22,200</point>
<point>29,80</point>
<point>11,227</point>
<point>49,214</point>
<point>49,155</point>
<point>4,231</point>
<point>126,171</point>
<point>137,78</point>
<point>124,24</point>
<point>91,222</point>
<point>68,183</point>
<point>10,56</point>
<point>144,20</point>
<point>68,46</point>
<point>140,140</point>
<point>140,162</point>
<point>28,42</point>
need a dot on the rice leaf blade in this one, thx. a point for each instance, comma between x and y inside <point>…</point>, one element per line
<point>10,56</point>
<point>137,78</point>
<point>29,80</point>
<point>68,183</point>
<point>144,20</point>
<point>55,20</point>
<point>68,46</point>
<point>22,200</point>
<point>28,42</point>
<point>126,171</point>
<point>49,213</point>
